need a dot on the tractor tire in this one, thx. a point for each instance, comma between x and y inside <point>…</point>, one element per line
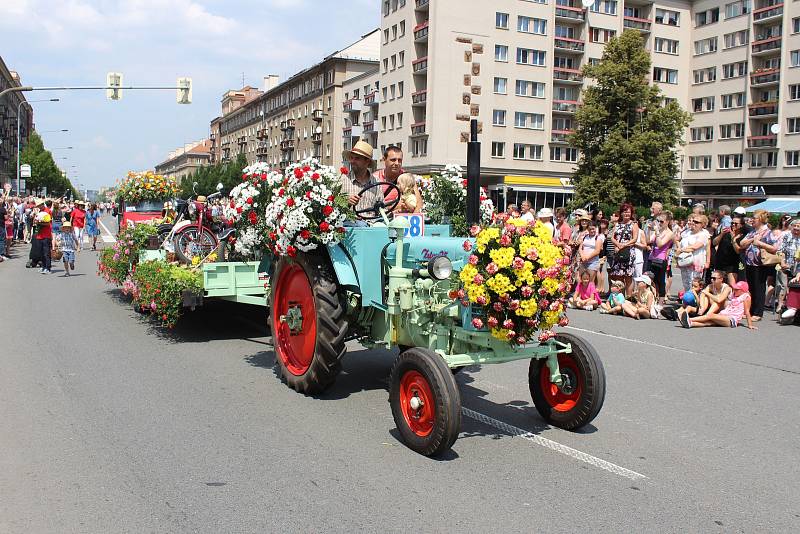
<point>432,425</point>
<point>308,358</point>
<point>577,406</point>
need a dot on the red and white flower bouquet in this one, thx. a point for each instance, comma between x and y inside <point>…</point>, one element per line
<point>246,207</point>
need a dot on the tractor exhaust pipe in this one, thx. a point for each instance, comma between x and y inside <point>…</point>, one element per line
<point>473,174</point>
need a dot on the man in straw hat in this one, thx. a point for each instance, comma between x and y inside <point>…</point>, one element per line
<point>359,176</point>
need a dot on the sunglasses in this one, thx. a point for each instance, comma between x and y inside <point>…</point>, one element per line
<point>716,278</point>
<point>697,222</point>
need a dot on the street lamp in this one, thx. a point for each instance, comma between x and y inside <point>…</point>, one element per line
<point>54,131</point>
<point>62,148</point>
<point>18,125</point>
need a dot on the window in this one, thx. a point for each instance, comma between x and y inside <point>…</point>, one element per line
<point>530,152</point>
<point>763,159</point>
<point>419,147</point>
<point>705,75</point>
<point>501,53</point>
<point>386,36</point>
<point>794,91</point>
<point>734,70</point>
<point>792,158</point>
<point>498,149</point>
<point>609,7</point>
<point>733,100</point>
<point>704,18</point>
<point>500,85</point>
<point>736,9</point>
<point>529,88</point>
<point>731,131</point>
<point>400,87</point>
<point>499,117</point>
<point>663,75</point>
<point>670,18</point>
<point>501,20</point>
<point>702,133</point>
<point>528,56</point>
<point>401,59</point>
<point>793,125</point>
<point>402,28</point>
<point>531,25</point>
<point>399,119</point>
<point>566,154</point>
<point>699,163</point>
<point>794,57</point>
<point>705,46</point>
<point>394,32</point>
<point>729,161</point>
<point>533,121</point>
<point>567,32</point>
<point>796,25</point>
<point>601,35</point>
<point>734,39</point>
<point>705,103</point>
<point>666,46</point>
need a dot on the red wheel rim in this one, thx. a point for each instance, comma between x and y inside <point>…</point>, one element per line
<point>294,348</point>
<point>555,397</point>
<point>419,419</point>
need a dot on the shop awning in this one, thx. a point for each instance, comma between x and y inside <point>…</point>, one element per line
<point>777,205</point>
<point>536,180</point>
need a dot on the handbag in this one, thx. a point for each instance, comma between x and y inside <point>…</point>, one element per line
<point>685,259</point>
<point>767,258</point>
<point>57,255</point>
<point>623,256</point>
<point>658,262</point>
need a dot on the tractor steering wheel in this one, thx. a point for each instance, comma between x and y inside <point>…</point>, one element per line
<point>379,203</point>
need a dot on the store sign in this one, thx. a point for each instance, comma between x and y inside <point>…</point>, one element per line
<point>754,190</point>
<point>25,170</point>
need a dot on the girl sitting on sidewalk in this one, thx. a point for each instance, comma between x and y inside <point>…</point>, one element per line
<point>586,296</point>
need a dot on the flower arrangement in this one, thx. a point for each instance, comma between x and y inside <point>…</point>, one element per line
<point>138,186</point>
<point>116,264</point>
<point>307,209</point>
<point>518,278</point>
<point>159,288</point>
<point>445,197</point>
<point>246,208</point>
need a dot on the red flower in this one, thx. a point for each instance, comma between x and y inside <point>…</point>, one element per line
<point>290,202</point>
<point>327,210</point>
<point>308,194</point>
<point>244,177</point>
<point>233,204</point>
<point>323,226</point>
<point>250,201</point>
<point>273,236</point>
<point>340,229</point>
<point>306,168</point>
<point>315,176</point>
<point>281,192</point>
<point>164,317</point>
<point>239,209</point>
<point>291,251</point>
<point>263,177</point>
<point>298,173</point>
<point>305,234</point>
<point>253,217</point>
<point>464,183</point>
<point>467,246</point>
<point>344,171</point>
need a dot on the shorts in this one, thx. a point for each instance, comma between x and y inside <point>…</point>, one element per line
<point>69,256</point>
<point>733,319</point>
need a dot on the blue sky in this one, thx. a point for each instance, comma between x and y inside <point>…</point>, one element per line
<point>153,42</point>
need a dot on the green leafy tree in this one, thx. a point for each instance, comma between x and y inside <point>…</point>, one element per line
<point>207,177</point>
<point>626,134</point>
<point>44,171</point>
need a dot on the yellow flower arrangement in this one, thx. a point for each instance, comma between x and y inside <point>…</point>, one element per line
<point>138,186</point>
<point>519,279</point>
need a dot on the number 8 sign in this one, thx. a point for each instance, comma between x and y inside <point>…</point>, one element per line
<point>416,222</point>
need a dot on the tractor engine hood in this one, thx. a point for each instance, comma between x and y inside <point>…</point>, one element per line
<point>420,250</point>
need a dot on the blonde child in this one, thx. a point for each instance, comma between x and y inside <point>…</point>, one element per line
<point>67,243</point>
<point>409,201</point>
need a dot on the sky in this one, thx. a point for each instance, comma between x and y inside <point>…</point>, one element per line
<point>152,43</point>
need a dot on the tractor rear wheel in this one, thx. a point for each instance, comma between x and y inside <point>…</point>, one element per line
<point>308,322</point>
<point>425,401</point>
<point>576,402</point>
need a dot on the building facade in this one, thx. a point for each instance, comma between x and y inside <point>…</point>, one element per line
<point>186,160</point>
<point>10,104</point>
<point>360,109</point>
<point>299,118</point>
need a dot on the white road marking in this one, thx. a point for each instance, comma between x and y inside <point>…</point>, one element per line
<point>553,445</point>
<point>639,341</point>
<point>108,237</point>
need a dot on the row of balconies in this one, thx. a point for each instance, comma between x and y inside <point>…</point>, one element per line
<point>421,32</point>
<point>768,13</point>
<point>287,124</point>
<point>421,5</point>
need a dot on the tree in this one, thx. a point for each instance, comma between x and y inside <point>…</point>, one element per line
<point>44,171</point>
<point>625,132</point>
<point>228,174</point>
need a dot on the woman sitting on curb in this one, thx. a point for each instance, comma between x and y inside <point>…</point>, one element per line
<point>738,307</point>
<point>645,299</point>
<point>714,297</point>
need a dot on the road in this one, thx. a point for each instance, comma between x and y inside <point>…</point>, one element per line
<point>110,424</point>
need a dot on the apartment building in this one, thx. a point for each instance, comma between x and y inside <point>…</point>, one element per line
<point>515,66</point>
<point>9,106</point>
<point>185,160</point>
<point>299,118</point>
<point>360,108</point>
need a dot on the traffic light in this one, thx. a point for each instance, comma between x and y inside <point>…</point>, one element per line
<point>113,85</point>
<point>184,95</point>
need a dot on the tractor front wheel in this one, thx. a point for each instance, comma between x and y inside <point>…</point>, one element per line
<point>425,401</point>
<point>579,399</point>
<point>308,322</point>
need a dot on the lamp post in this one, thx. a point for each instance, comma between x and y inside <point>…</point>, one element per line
<point>54,131</point>
<point>19,106</point>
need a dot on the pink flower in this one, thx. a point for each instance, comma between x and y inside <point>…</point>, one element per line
<point>544,303</point>
<point>492,268</point>
<point>522,230</point>
<point>542,292</point>
<point>116,257</point>
<point>532,254</point>
<point>127,251</point>
<point>508,323</point>
<point>504,298</point>
<point>531,322</point>
<point>461,293</point>
<point>511,335</point>
<point>505,240</point>
<point>526,291</point>
<point>473,259</point>
<point>492,322</point>
<point>564,321</point>
<point>477,323</point>
<point>518,263</point>
<point>509,228</point>
<point>498,306</point>
<point>130,242</point>
<point>153,305</point>
<point>521,340</point>
<point>465,302</point>
<point>513,305</point>
<point>478,280</point>
<point>481,300</point>
<point>467,245</point>
<point>545,336</point>
<point>474,230</point>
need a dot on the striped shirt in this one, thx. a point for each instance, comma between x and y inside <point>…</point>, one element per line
<point>351,186</point>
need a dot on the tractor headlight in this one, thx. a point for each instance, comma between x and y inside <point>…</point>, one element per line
<point>440,268</point>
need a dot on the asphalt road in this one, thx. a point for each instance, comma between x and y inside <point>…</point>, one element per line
<point>109,424</point>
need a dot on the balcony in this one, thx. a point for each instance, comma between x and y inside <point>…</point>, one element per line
<point>261,149</point>
<point>566,44</point>
<point>635,23</point>
<point>762,109</point>
<point>371,99</point>
<point>368,127</point>
<point>419,129</point>
<point>262,133</point>
<point>316,138</point>
<point>420,98</point>
<point>765,77</point>
<point>421,5</point>
<point>564,75</point>
<point>762,141</point>
<point>287,144</point>
<point>565,106</point>
<point>421,32</point>
<point>768,13</point>
<point>420,66</point>
<point>353,105</point>
<point>287,125</point>
<point>241,140</point>
<point>317,115</point>
<point>767,46</point>
<point>560,136</point>
<point>352,131</point>
<point>570,14</point>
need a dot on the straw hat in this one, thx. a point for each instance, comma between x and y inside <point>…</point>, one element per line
<point>361,148</point>
<point>202,199</point>
<point>66,224</point>
<point>544,212</point>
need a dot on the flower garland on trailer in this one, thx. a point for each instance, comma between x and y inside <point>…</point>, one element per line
<point>138,186</point>
<point>307,209</point>
<point>445,197</point>
<point>518,278</point>
<point>245,209</point>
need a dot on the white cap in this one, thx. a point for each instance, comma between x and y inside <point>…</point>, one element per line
<point>740,210</point>
<point>644,278</point>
